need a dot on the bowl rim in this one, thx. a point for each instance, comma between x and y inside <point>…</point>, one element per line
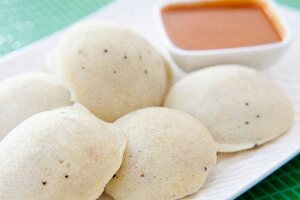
<point>287,37</point>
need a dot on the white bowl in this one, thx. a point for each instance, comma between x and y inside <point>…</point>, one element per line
<point>259,56</point>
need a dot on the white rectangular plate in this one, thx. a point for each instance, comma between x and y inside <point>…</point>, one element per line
<point>234,173</point>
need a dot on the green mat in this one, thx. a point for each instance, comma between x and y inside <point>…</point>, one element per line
<point>292,3</point>
<point>25,21</point>
<point>284,184</point>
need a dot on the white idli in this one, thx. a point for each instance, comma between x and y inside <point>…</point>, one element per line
<point>112,70</point>
<point>168,155</point>
<point>25,95</point>
<point>64,154</point>
<point>241,107</point>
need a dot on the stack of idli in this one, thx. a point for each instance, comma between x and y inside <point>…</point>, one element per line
<point>116,137</point>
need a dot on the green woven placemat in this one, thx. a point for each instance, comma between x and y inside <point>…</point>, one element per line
<point>25,21</point>
<point>284,184</point>
<point>292,3</point>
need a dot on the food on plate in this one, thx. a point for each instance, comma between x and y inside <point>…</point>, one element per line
<point>25,95</point>
<point>112,70</point>
<point>52,62</point>
<point>240,106</point>
<point>220,24</point>
<point>67,153</point>
<point>168,155</point>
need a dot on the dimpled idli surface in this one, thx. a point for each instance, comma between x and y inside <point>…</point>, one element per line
<point>240,106</point>
<point>64,154</point>
<point>112,70</point>
<point>168,155</point>
<point>25,95</point>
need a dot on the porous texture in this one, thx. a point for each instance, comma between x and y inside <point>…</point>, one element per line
<point>64,154</point>
<point>168,155</point>
<point>241,107</point>
<point>112,70</point>
<point>25,95</point>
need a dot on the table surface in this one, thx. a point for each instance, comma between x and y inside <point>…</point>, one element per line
<point>25,21</point>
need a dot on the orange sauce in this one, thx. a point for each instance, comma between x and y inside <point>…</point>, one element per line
<point>219,25</point>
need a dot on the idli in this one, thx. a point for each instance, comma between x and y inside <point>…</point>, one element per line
<point>112,70</point>
<point>64,154</point>
<point>168,156</point>
<point>240,106</point>
<point>25,95</point>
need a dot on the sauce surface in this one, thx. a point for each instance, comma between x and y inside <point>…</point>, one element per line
<point>204,26</point>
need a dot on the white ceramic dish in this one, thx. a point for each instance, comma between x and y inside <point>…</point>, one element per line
<point>234,173</point>
<point>259,56</point>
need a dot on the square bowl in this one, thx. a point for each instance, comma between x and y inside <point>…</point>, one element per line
<point>258,56</point>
